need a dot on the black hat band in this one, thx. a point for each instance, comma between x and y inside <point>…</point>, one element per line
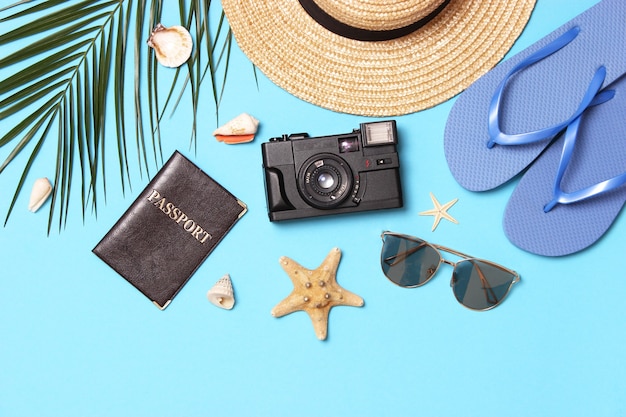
<point>360,34</point>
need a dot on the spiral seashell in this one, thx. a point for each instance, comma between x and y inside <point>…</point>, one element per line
<point>222,294</point>
<point>241,129</point>
<point>172,45</point>
<point>39,194</point>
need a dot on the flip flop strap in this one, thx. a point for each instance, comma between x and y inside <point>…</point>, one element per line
<point>571,134</point>
<point>498,137</point>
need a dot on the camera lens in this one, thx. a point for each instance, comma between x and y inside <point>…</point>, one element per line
<point>325,181</point>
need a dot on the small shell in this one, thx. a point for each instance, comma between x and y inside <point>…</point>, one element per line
<point>241,129</point>
<point>222,293</point>
<point>39,194</point>
<point>172,45</point>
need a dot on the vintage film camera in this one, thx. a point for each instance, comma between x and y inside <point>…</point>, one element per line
<point>317,176</point>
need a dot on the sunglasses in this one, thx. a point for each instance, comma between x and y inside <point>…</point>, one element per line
<point>477,284</point>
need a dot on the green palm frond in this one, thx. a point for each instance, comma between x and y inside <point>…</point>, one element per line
<point>72,68</point>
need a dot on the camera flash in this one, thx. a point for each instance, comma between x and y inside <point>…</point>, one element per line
<point>379,133</point>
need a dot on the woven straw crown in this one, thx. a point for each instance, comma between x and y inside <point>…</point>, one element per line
<point>307,47</point>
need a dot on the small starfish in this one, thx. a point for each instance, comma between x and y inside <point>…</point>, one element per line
<point>315,291</point>
<point>440,211</point>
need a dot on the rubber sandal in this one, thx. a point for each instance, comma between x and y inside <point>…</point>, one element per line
<point>574,191</point>
<point>537,92</point>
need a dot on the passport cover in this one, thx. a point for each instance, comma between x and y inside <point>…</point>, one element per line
<point>170,229</point>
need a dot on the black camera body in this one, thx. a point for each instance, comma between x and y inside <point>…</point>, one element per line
<point>317,176</point>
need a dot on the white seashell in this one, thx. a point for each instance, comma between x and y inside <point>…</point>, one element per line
<point>39,194</point>
<point>222,293</point>
<point>172,45</point>
<point>244,124</point>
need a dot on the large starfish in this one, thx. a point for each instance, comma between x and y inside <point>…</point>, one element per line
<point>315,291</point>
<point>440,211</point>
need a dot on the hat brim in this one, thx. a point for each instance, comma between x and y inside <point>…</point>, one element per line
<point>384,78</point>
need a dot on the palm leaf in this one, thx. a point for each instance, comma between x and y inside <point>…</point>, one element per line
<point>72,67</point>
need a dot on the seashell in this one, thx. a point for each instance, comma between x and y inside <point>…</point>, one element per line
<point>241,129</point>
<point>39,194</point>
<point>241,125</point>
<point>222,293</point>
<point>172,45</point>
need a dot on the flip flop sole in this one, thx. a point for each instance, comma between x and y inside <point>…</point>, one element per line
<point>541,95</point>
<point>599,154</point>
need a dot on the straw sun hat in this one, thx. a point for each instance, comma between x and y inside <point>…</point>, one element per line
<point>376,57</point>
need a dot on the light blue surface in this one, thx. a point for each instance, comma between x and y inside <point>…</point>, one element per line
<point>77,340</point>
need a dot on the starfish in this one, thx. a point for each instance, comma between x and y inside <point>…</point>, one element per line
<point>315,291</point>
<point>440,211</point>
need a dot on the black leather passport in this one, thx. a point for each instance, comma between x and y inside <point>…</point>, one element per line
<point>170,229</point>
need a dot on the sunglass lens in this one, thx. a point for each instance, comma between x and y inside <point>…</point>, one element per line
<point>480,285</point>
<point>408,263</point>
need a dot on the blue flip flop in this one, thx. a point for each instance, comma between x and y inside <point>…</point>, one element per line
<point>537,92</point>
<point>573,192</point>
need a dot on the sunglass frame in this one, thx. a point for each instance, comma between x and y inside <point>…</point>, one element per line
<point>516,277</point>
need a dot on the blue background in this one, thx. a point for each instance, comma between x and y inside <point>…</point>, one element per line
<point>78,340</point>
